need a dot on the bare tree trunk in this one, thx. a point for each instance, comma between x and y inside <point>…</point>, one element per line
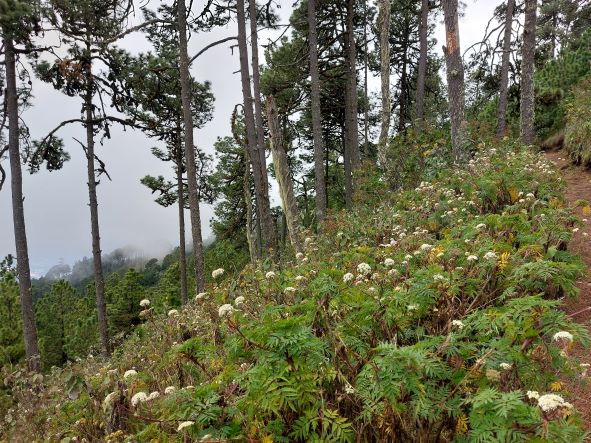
<point>319,178</point>
<point>252,247</point>
<point>384,35</point>
<point>18,212</point>
<point>190,150</point>
<point>423,55</point>
<point>351,156</point>
<point>365,85</point>
<point>404,84</point>
<point>259,171</point>
<point>504,86</point>
<point>181,203</point>
<point>527,73</point>
<point>99,279</point>
<point>281,166</point>
<point>256,86</point>
<point>455,76</point>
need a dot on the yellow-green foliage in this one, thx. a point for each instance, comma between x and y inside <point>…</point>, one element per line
<point>578,124</point>
<point>425,315</point>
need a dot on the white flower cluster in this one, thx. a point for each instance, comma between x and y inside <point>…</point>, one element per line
<point>269,275</point>
<point>480,226</point>
<point>173,313</point>
<point>505,366</point>
<point>363,268</point>
<point>184,425</point>
<point>200,296</point>
<point>348,277</point>
<point>550,402</point>
<point>145,303</point>
<point>532,395</point>
<point>239,300</point>
<point>438,277</point>
<point>217,273</point>
<point>130,373</point>
<point>563,335</point>
<point>389,262</point>
<point>169,390</point>
<point>490,256</point>
<point>225,310</point>
<point>289,290</point>
<point>138,398</point>
<point>472,258</point>
<point>458,324</point>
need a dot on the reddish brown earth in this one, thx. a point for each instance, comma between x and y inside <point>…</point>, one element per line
<point>578,181</point>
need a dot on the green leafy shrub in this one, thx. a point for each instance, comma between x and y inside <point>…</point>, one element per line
<point>577,136</point>
<point>431,315</point>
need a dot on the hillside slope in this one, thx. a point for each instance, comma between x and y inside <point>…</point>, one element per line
<point>426,315</point>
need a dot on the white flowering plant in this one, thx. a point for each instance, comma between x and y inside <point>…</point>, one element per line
<point>456,348</point>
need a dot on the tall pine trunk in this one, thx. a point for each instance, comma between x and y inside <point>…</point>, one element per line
<point>504,86</point>
<point>259,171</point>
<point>256,86</point>
<point>527,73</point>
<point>18,212</point>
<point>181,203</point>
<point>281,166</point>
<point>384,35</point>
<point>250,239</point>
<point>422,69</point>
<point>99,279</point>
<point>319,179</point>
<point>455,76</point>
<point>189,149</point>
<point>351,156</point>
<point>403,99</point>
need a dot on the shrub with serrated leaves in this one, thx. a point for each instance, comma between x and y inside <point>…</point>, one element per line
<point>425,317</point>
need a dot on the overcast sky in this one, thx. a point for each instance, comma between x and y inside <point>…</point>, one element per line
<point>56,209</point>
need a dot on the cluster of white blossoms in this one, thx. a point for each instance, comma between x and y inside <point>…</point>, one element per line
<point>290,290</point>
<point>348,277</point>
<point>173,313</point>
<point>108,401</point>
<point>138,398</point>
<point>505,366</point>
<point>458,324</point>
<point>217,272</point>
<point>239,300</point>
<point>299,256</point>
<point>145,303</point>
<point>184,425</point>
<point>472,258</point>
<point>426,247</point>
<point>438,277</point>
<point>153,395</point>
<point>480,226</point>
<point>363,268</point>
<point>550,402</point>
<point>389,262</point>
<point>490,256</point>
<point>532,395</point>
<point>412,307</point>
<point>225,310</point>
<point>130,373</point>
<point>169,390</point>
<point>200,296</point>
<point>299,278</point>
<point>563,335</point>
<point>269,275</point>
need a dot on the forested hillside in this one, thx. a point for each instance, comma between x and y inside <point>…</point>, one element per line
<point>412,285</point>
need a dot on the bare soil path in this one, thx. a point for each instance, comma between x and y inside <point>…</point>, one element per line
<point>578,186</point>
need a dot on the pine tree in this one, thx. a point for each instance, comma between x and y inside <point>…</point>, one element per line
<point>527,103</point>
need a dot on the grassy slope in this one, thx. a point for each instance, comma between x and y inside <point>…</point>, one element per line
<point>440,335</point>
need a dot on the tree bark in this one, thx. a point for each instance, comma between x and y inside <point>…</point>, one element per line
<point>402,116</point>
<point>18,212</point>
<point>423,55</point>
<point>256,86</point>
<point>282,173</point>
<point>365,81</point>
<point>181,203</point>
<point>504,86</point>
<point>99,279</point>
<point>252,247</point>
<point>455,76</point>
<point>259,171</point>
<point>319,178</point>
<point>351,157</point>
<point>384,35</point>
<point>190,150</point>
<point>527,73</point>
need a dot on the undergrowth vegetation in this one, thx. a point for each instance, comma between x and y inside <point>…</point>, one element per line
<point>577,136</point>
<point>425,315</point>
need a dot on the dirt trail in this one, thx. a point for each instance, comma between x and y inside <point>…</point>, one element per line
<point>578,182</point>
